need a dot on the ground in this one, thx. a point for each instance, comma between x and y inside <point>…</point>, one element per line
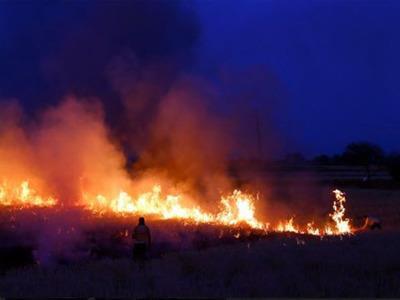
<point>363,265</point>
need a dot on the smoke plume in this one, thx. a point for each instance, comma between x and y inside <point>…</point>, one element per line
<point>106,104</point>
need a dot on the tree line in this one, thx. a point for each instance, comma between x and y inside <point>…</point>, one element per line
<point>366,155</point>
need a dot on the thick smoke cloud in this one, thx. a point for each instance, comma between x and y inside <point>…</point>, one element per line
<point>102,82</point>
<point>51,48</point>
<point>131,55</point>
<point>122,62</point>
<point>68,151</point>
<point>188,141</point>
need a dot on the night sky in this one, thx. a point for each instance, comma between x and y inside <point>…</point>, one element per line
<point>335,63</point>
<point>338,61</point>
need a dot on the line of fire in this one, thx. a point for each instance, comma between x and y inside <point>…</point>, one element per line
<point>236,210</point>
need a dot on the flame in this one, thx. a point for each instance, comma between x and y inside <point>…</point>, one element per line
<point>342,224</point>
<point>235,209</point>
<point>239,208</point>
<point>22,195</point>
<point>312,230</point>
<point>287,226</point>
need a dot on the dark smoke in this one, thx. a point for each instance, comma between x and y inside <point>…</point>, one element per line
<point>52,48</point>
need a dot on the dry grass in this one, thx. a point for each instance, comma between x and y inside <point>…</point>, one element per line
<point>361,266</point>
<point>384,204</point>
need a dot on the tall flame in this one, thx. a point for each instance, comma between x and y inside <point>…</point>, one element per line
<point>342,224</point>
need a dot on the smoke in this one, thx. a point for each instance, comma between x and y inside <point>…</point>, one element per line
<point>131,56</point>
<point>254,97</point>
<point>52,48</point>
<point>73,142</point>
<point>125,66</point>
<point>14,146</point>
<point>68,148</point>
<point>140,90</point>
<point>121,61</point>
<point>189,142</point>
<point>66,153</point>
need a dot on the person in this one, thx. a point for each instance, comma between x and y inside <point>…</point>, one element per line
<point>371,223</point>
<point>141,241</point>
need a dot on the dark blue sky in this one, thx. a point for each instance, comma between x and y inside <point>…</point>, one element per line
<point>338,62</point>
<point>328,70</point>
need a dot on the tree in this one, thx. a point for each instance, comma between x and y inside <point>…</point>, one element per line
<point>363,154</point>
<point>322,159</point>
<point>393,166</point>
<point>295,158</point>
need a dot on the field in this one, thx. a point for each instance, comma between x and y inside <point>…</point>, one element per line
<point>362,266</point>
<point>277,265</point>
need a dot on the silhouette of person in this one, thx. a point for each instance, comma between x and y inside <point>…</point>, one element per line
<point>141,241</point>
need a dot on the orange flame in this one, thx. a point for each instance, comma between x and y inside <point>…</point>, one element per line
<point>342,224</point>
<point>312,230</point>
<point>287,226</point>
<point>234,209</point>
<point>22,195</point>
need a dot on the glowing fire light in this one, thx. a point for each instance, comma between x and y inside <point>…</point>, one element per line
<point>342,224</point>
<point>311,230</point>
<point>237,208</point>
<point>234,210</point>
<point>287,227</point>
<point>22,196</point>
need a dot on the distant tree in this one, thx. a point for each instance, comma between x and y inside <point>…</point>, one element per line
<point>393,165</point>
<point>322,159</point>
<point>337,159</point>
<point>363,154</point>
<point>295,158</point>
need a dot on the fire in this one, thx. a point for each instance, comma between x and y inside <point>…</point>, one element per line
<point>150,203</point>
<point>287,226</point>
<point>312,230</point>
<point>342,224</point>
<point>22,195</point>
<point>239,208</point>
<point>235,209</point>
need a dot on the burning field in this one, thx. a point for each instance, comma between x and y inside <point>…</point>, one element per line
<point>150,149</point>
<point>67,194</point>
<point>100,227</point>
<point>69,199</point>
<point>188,244</point>
<point>64,172</point>
<point>235,210</point>
<point>69,202</point>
